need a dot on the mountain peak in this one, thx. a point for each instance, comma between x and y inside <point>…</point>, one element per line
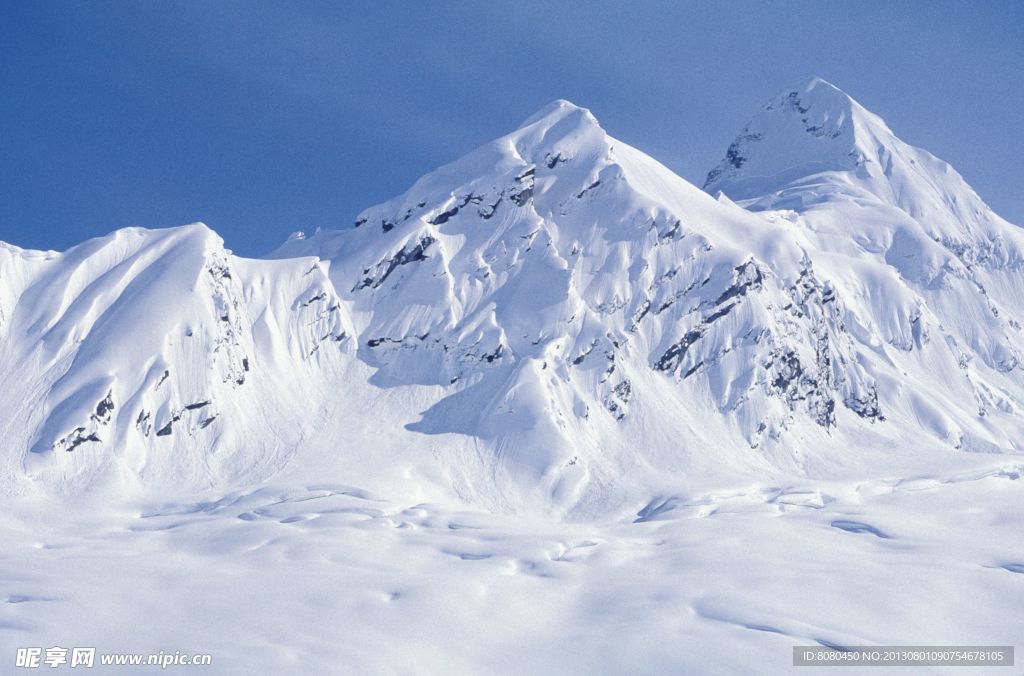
<point>817,86</point>
<point>813,144</point>
<point>569,321</point>
<point>807,129</point>
<point>558,110</point>
<point>815,140</point>
<point>560,139</point>
<point>825,106</point>
<point>559,127</point>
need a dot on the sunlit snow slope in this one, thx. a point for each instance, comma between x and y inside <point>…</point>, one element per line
<point>555,321</point>
<point>933,277</point>
<point>158,355</point>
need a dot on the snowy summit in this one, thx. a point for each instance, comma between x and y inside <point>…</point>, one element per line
<point>557,329</point>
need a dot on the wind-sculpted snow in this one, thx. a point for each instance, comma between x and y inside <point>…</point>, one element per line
<point>146,353</point>
<point>580,306</point>
<point>510,410</point>
<point>327,577</point>
<point>554,322</point>
<point>932,277</point>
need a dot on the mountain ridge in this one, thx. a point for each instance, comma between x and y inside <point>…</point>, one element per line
<point>554,321</point>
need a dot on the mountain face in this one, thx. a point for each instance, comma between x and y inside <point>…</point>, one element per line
<point>555,321</point>
<point>157,354</point>
<point>916,246</point>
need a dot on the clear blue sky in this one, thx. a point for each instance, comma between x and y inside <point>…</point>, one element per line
<point>260,118</point>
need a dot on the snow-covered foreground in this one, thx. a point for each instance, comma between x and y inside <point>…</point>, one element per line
<point>330,578</point>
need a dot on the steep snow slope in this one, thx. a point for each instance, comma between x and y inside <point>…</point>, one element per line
<point>158,354</point>
<point>599,323</point>
<point>814,141</point>
<point>936,275</point>
<point>554,322</point>
<point>772,401</point>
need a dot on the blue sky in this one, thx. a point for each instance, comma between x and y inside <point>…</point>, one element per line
<point>261,118</point>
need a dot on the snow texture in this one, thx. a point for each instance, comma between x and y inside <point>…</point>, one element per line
<point>550,394</point>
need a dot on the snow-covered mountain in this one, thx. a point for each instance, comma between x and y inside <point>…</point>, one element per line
<point>555,321</point>
<point>935,274</point>
<point>156,353</point>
